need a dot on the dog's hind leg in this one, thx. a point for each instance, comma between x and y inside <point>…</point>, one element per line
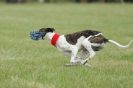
<point>84,55</point>
<point>88,46</point>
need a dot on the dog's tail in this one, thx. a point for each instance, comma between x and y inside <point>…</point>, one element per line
<point>119,45</point>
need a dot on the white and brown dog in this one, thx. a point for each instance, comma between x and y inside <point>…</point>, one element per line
<point>86,42</point>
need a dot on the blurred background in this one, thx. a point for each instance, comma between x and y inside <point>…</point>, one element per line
<point>55,1</point>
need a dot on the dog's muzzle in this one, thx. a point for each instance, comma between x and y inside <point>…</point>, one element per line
<point>36,35</point>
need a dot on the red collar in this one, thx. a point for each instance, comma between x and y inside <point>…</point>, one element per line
<point>55,39</point>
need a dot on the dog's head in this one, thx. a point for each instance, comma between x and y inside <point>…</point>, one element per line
<point>45,31</point>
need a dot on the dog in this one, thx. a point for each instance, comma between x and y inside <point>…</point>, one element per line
<point>85,42</point>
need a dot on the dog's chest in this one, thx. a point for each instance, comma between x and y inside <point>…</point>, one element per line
<point>63,45</point>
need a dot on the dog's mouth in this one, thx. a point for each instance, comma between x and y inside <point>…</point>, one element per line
<point>43,35</point>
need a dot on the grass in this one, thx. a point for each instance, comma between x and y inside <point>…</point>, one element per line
<point>29,64</point>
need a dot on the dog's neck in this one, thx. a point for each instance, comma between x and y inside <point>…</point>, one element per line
<point>53,37</point>
<point>50,35</point>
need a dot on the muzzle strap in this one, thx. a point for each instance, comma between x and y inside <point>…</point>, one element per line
<point>35,35</point>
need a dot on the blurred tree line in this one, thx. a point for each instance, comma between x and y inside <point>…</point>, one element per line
<point>54,1</point>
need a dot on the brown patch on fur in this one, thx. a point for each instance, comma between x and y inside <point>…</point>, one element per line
<point>98,39</point>
<point>72,38</point>
<point>97,48</point>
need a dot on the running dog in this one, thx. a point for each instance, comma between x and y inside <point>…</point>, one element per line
<point>87,42</point>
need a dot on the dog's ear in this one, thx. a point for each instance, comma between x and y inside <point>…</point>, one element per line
<point>42,30</point>
<point>46,30</point>
<point>50,29</point>
<point>53,29</point>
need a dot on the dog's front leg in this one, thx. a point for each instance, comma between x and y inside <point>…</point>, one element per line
<point>74,50</point>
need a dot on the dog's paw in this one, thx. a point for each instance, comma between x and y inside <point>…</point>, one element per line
<point>83,62</point>
<point>72,64</point>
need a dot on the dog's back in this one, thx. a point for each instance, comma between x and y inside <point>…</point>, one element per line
<point>72,38</point>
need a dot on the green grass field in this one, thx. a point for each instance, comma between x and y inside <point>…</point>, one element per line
<point>25,63</point>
